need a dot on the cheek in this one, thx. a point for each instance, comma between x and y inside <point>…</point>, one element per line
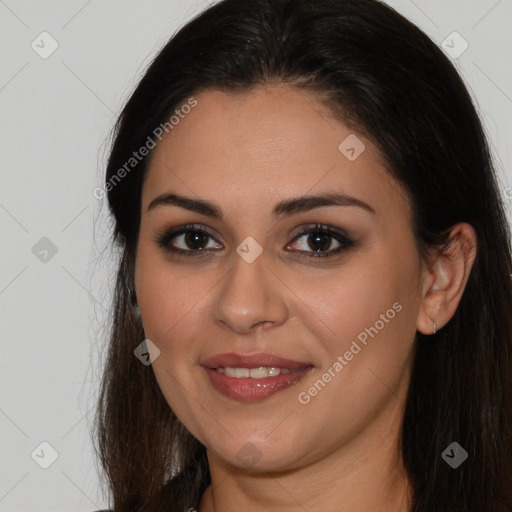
<point>172,302</point>
<point>169,302</point>
<point>344,303</point>
<point>162,293</point>
<point>365,321</point>
<point>366,316</point>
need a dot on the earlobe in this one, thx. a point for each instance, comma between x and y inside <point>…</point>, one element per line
<point>447,279</point>
<point>434,325</point>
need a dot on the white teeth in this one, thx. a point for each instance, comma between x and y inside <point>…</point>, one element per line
<point>237,372</point>
<point>255,373</point>
<point>261,373</point>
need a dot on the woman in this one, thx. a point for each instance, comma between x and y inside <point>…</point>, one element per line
<point>312,309</point>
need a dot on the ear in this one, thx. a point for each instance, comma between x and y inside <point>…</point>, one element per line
<point>445,279</point>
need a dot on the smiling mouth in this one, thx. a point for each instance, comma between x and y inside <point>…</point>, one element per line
<point>260,372</point>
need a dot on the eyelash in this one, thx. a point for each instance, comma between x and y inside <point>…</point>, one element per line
<point>164,239</point>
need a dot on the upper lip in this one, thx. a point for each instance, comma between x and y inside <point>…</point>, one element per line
<point>232,360</point>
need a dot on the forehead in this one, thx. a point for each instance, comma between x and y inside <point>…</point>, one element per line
<point>269,143</point>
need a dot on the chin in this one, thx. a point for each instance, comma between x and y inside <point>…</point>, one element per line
<point>260,455</point>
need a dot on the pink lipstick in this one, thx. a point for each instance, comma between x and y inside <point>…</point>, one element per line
<point>253,377</point>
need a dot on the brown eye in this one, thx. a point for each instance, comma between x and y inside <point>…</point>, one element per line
<point>191,240</point>
<point>319,240</point>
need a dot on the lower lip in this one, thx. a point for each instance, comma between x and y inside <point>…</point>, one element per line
<point>251,390</point>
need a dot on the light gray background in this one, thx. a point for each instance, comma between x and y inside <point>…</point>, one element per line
<point>56,115</point>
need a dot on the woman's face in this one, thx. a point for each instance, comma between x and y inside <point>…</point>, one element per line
<point>253,284</point>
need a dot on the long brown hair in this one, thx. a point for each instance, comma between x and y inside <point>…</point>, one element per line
<point>381,74</point>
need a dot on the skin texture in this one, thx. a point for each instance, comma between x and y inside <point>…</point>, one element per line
<point>246,152</point>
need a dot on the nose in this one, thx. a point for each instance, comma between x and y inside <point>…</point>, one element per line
<point>251,297</point>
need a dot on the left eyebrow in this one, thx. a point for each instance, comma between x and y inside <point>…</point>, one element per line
<point>282,209</point>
